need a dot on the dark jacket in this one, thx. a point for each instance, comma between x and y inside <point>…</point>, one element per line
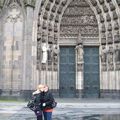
<point>37,98</point>
<point>47,98</point>
<point>37,101</point>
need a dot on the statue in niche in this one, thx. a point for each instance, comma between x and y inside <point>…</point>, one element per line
<point>38,50</point>
<point>110,38</point>
<point>50,54</point>
<point>110,55</point>
<point>55,53</point>
<point>80,53</point>
<point>116,36</point>
<point>103,58</point>
<point>44,53</point>
<point>103,55</point>
<point>117,54</point>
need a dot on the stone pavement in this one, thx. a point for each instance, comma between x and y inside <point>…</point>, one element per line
<point>67,109</point>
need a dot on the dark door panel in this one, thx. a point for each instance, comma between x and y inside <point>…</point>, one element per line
<point>67,72</point>
<point>91,72</point>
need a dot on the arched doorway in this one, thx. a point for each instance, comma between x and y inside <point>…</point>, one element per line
<point>78,30</point>
<point>73,23</point>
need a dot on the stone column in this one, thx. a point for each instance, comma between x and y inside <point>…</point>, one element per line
<point>1,50</point>
<point>27,70</point>
<point>0,55</point>
<point>79,69</point>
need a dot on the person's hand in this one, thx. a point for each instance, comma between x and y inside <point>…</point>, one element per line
<point>43,104</point>
<point>38,112</point>
<point>36,92</point>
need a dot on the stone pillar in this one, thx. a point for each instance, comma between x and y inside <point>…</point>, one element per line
<point>79,69</point>
<point>27,71</point>
<point>1,50</point>
<point>0,55</point>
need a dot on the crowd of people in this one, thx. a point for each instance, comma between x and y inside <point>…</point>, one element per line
<point>42,103</point>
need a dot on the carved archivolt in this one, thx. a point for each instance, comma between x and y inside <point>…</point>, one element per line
<point>78,16</point>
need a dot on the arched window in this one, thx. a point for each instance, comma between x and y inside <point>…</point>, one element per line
<point>13,37</point>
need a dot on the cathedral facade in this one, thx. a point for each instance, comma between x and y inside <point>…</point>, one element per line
<point>73,46</point>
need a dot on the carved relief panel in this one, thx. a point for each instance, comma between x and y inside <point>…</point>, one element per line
<point>78,18</point>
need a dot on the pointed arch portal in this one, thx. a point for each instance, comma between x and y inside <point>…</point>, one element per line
<point>73,23</point>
